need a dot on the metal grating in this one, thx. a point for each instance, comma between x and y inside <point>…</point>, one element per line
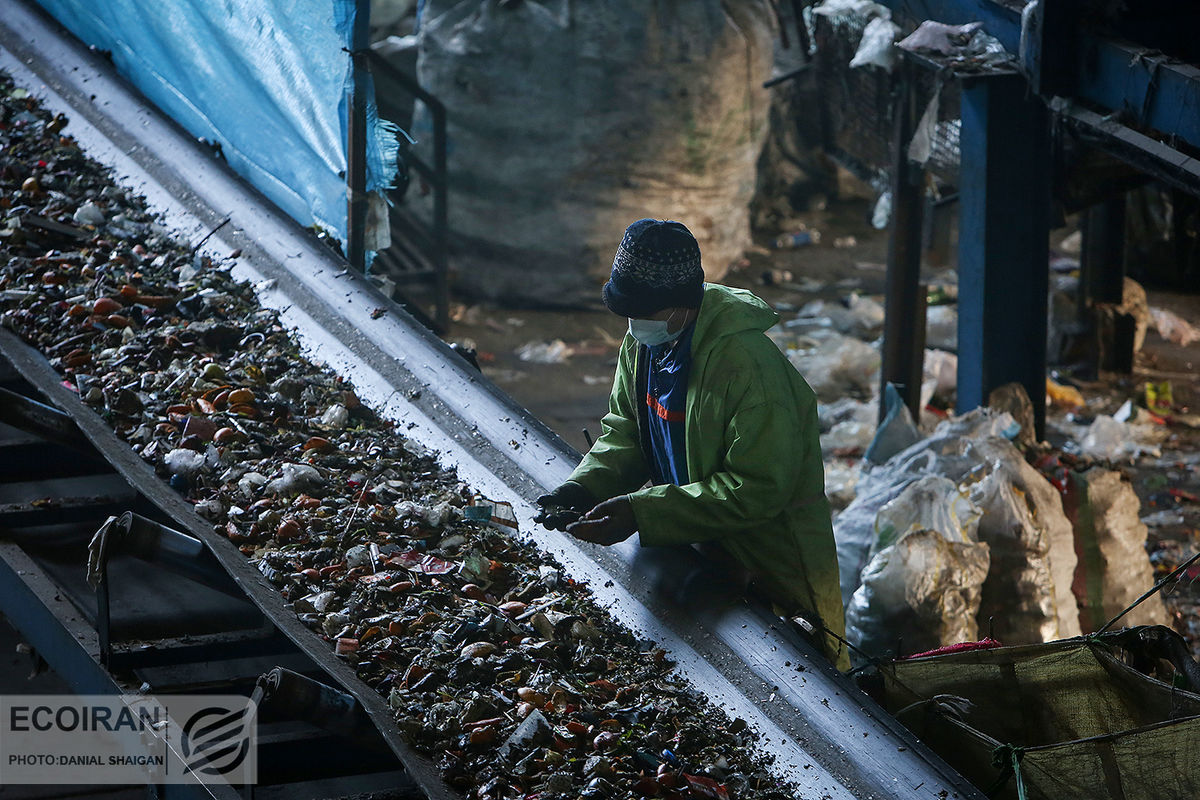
<point>857,106</point>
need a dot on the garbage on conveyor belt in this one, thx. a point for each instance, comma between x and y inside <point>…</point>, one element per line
<point>496,663</point>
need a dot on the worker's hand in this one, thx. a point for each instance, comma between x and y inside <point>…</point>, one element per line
<point>563,506</point>
<point>608,523</point>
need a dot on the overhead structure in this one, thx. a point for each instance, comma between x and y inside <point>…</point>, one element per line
<point>1124,82</point>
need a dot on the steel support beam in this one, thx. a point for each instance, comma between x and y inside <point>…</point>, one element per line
<point>1144,86</point>
<point>1102,264</point>
<point>38,418</point>
<point>1003,248</point>
<point>904,313</point>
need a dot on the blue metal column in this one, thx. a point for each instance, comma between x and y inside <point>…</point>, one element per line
<point>1003,242</point>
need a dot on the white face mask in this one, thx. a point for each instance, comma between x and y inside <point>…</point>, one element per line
<point>653,332</point>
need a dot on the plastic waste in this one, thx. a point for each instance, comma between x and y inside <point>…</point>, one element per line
<point>941,368</point>
<point>938,37</point>
<point>555,352</point>
<point>876,47</point>
<point>1163,519</point>
<point>926,573</point>
<point>847,408</point>
<point>858,316</point>
<point>1063,396</point>
<point>836,365</point>
<point>930,503</point>
<point>897,431</point>
<point>920,147</point>
<point>832,8</point>
<point>1159,397</point>
<point>868,312</point>
<point>941,327</point>
<point>841,478</point>
<point>1110,440</point>
<point>184,462</point>
<point>881,215</point>
<point>1028,596</point>
<point>847,438</point>
<point>88,214</point>
<point>296,478</point>
<point>1031,543</point>
<point>1173,327</point>
<point>335,417</point>
<point>1013,399</point>
<point>922,591</point>
<point>790,241</point>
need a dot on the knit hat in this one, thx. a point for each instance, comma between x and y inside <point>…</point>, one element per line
<point>657,266</point>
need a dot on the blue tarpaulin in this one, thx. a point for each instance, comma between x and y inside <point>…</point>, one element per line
<point>266,79</point>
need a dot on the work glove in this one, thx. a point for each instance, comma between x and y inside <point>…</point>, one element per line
<point>608,523</point>
<point>564,505</point>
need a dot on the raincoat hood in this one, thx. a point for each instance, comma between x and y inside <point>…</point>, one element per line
<point>726,311</point>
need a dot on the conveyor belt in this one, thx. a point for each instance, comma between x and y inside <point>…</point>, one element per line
<point>825,735</point>
<point>162,626</point>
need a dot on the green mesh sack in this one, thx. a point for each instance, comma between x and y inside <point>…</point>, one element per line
<point>1092,717</point>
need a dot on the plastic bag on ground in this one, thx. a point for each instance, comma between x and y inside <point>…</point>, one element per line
<point>859,316</point>
<point>941,327</point>
<point>835,365</point>
<point>1114,569</point>
<point>847,438</point>
<point>1173,327</point>
<point>847,409</point>
<point>1110,440</point>
<point>941,368</point>
<point>841,478</point>
<point>897,431</point>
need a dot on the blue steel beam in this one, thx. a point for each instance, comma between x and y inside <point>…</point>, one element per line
<point>1003,246</point>
<point>1145,86</point>
<point>1148,89</point>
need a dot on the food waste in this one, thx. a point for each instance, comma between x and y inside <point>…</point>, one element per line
<point>498,666</point>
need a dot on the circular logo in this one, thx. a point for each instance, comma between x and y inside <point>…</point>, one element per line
<point>215,740</point>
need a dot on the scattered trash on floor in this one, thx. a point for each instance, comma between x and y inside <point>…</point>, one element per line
<point>555,352</point>
<point>1173,327</point>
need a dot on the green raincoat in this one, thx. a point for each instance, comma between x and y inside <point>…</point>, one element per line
<point>753,457</point>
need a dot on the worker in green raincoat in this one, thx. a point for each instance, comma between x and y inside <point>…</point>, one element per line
<point>707,409</point>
